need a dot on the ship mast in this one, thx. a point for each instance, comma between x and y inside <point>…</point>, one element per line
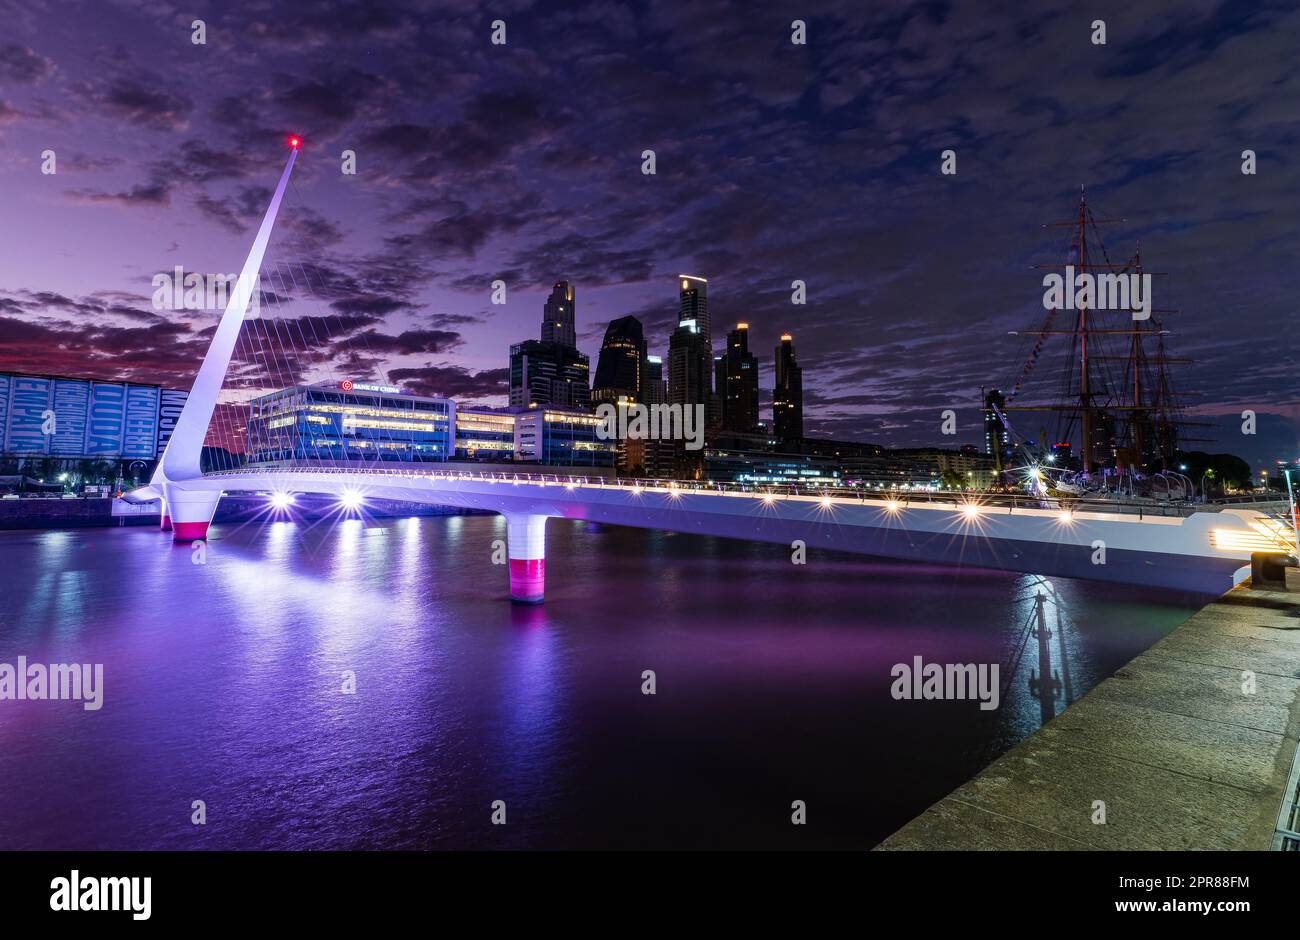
<point>1089,342</point>
<point>1085,394</point>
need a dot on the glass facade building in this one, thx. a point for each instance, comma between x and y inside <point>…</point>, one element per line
<point>559,437</point>
<point>349,421</point>
<point>62,417</point>
<point>485,435</point>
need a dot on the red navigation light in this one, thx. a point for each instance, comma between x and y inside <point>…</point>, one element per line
<point>295,142</point>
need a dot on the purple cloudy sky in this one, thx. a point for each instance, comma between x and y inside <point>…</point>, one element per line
<point>522,162</point>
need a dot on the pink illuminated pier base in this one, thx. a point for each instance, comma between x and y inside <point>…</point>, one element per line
<point>526,546</point>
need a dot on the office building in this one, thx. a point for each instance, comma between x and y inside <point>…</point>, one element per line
<point>621,366</point>
<point>549,373</point>
<point>485,435</point>
<point>736,383</point>
<point>787,395</point>
<point>555,436</point>
<point>559,324</point>
<point>346,421</point>
<point>654,387</point>
<point>997,439</point>
<point>83,430</point>
<point>693,298</point>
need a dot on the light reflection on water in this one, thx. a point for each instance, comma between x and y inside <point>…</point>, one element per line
<point>223,683</point>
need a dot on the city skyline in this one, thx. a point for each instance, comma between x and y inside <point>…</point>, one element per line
<point>155,169</point>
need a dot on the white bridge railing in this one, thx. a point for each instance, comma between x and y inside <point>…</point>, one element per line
<point>902,498</point>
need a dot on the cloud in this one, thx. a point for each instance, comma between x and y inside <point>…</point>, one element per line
<point>452,381</point>
<point>145,100</point>
<point>23,65</point>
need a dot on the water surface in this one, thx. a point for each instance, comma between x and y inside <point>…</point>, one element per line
<point>223,684</point>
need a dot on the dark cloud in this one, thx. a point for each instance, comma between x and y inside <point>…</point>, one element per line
<point>145,100</point>
<point>410,342</point>
<point>23,65</point>
<point>452,381</point>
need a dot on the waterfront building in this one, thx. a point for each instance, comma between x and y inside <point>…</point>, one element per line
<point>484,434</point>
<point>347,420</point>
<point>764,467</point>
<point>565,437</point>
<point>52,425</point>
<point>787,396</point>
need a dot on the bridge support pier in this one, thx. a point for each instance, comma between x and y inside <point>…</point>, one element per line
<point>190,512</point>
<point>165,524</point>
<point>526,548</point>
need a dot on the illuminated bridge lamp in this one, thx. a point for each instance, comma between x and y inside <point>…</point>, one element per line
<point>892,505</point>
<point>351,500</point>
<point>281,501</point>
<point>970,510</point>
<point>826,502</point>
<point>1067,517</point>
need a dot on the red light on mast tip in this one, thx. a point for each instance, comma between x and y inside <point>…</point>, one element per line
<point>295,142</point>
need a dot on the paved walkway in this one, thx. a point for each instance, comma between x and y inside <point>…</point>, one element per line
<point>1181,756</point>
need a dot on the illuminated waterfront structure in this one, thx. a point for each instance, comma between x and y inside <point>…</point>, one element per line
<point>558,436</point>
<point>73,419</point>
<point>485,435</point>
<point>349,421</point>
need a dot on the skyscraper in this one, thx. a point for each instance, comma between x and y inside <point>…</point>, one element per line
<point>549,374</point>
<point>558,320</point>
<point>620,370</point>
<point>694,299</point>
<point>552,371</point>
<point>997,442</point>
<point>689,366</point>
<point>787,396</point>
<point>653,387</point>
<point>737,383</point>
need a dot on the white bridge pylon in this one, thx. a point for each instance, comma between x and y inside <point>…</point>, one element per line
<point>189,503</point>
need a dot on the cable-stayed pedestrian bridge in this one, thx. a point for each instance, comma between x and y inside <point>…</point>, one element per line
<point>1164,546</point>
<point>1173,547</point>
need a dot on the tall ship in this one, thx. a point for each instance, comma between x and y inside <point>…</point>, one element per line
<point>1108,419</point>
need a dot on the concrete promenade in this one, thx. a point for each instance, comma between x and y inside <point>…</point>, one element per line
<point>1181,756</point>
